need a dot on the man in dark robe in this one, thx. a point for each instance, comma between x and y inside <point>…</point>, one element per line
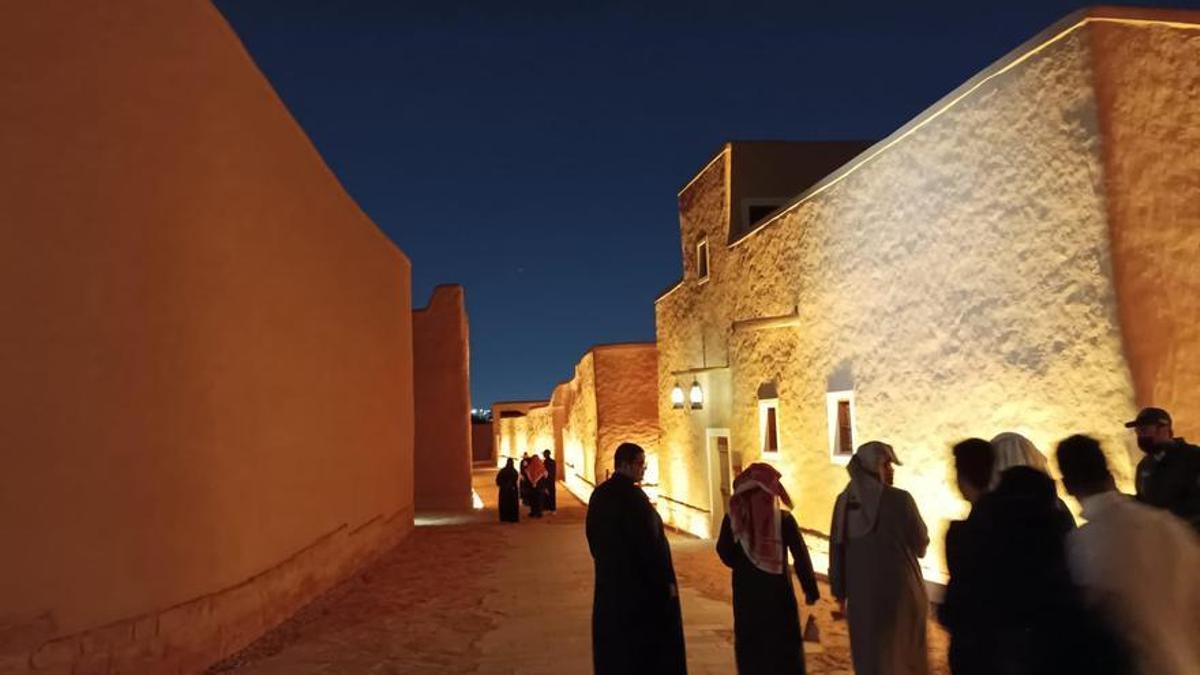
<point>510,507</point>
<point>551,496</point>
<point>523,483</point>
<point>756,536</point>
<point>535,475</point>
<point>637,626</point>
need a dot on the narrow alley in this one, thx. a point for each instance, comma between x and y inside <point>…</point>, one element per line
<point>467,594</point>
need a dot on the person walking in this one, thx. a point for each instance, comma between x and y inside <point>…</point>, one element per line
<point>509,506</point>
<point>877,537</point>
<point>1168,477</point>
<point>756,536</point>
<point>1135,563</point>
<point>637,625</point>
<point>551,495</point>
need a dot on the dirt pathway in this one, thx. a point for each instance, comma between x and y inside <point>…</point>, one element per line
<point>467,594</point>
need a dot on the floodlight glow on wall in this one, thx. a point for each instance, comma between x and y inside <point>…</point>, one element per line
<point>677,396</point>
<point>697,396</point>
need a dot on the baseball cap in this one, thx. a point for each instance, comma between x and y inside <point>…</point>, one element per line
<point>1148,416</point>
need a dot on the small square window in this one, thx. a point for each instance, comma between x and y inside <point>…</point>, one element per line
<point>840,409</point>
<point>702,260</point>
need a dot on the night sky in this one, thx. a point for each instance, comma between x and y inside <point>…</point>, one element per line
<point>532,151</point>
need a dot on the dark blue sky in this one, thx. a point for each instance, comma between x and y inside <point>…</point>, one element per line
<point>532,151</point>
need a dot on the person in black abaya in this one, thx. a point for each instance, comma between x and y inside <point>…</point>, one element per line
<point>510,506</point>
<point>755,539</point>
<point>637,626</point>
<point>551,496</point>
<point>523,482</point>
<point>535,476</point>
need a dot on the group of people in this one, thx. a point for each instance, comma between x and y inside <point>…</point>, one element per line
<point>533,485</point>
<point>1029,591</point>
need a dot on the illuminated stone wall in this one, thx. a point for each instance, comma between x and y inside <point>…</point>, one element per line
<point>958,278</point>
<point>1146,80</point>
<point>442,381</point>
<point>207,363</point>
<point>626,392</point>
<point>609,399</point>
<point>513,428</point>
<point>580,428</point>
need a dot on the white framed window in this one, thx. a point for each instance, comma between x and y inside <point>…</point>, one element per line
<point>768,426</point>
<point>839,409</point>
<point>702,260</point>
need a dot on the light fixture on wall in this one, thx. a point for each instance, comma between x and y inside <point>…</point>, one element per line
<point>677,396</point>
<point>696,395</point>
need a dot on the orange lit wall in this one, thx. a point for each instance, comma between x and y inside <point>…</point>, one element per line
<point>1146,82</point>
<point>609,399</point>
<point>626,400</point>
<point>207,400</point>
<point>483,444</point>
<point>441,355</point>
<point>988,267</point>
<point>512,430</point>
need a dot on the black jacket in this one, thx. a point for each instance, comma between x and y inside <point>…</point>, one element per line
<point>1171,480</point>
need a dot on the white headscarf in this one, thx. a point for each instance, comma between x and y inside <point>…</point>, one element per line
<point>1013,449</point>
<point>858,506</point>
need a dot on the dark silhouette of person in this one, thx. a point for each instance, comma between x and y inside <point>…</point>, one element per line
<point>1169,475</point>
<point>510,506</point>
<point>1010,605</point>
<point>756,536</point>
<point>524,480</point>
<point>535,476</point>
<point>637,626</point>
<point>551,491</point>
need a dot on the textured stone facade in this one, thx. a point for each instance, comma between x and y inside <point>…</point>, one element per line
<point>958,278</point>
<point>514,430</point>
<point>442,383</point>
<point>207,359</point>
<point>609,399</point>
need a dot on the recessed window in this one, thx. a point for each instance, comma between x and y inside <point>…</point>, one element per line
<point>757,212</point>
<point>756,209</point>
<point>702,260</point>
<point>840,408</point>
<point>768,425</point>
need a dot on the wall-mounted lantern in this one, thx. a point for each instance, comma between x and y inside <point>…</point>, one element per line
<point>697,396</point>
<point>677,396</point>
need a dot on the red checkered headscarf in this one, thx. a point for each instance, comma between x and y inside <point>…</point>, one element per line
<point>535,469</point>
<point>754,516</point>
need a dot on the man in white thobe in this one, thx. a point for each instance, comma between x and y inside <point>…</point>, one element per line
<point>1138,565</point>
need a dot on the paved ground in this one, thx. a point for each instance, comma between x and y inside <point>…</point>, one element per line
<point>467,594</point>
